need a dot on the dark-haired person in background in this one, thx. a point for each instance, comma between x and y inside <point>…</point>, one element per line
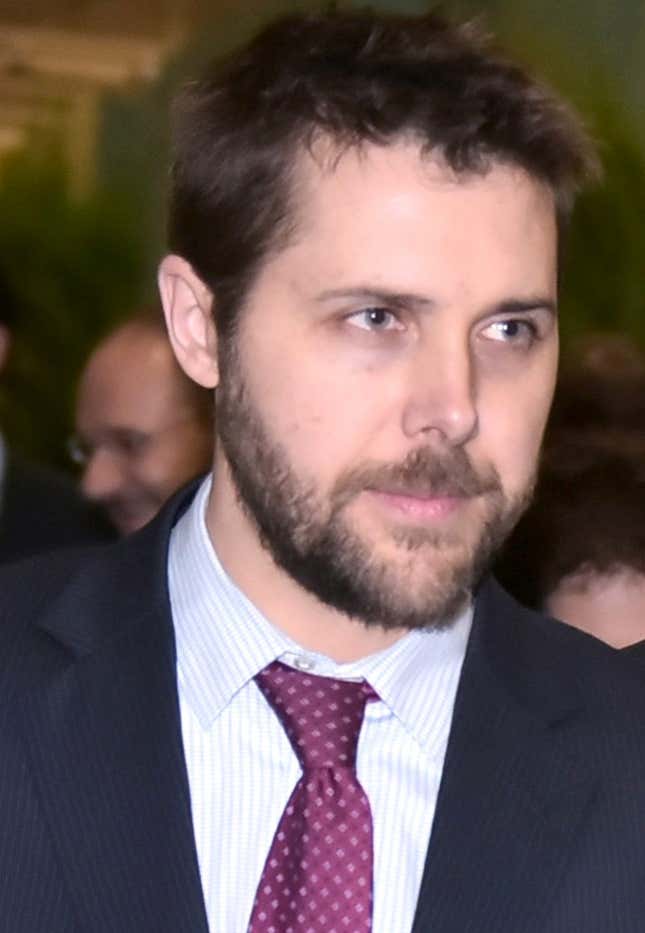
<point>143,428</point>
<point>296,700</point>
<point>40,508</point>
<point>578,553</point>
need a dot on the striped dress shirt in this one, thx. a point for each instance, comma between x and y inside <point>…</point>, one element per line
<point>241,767</point>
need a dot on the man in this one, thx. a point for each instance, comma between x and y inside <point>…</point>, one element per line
<point>294,702</point>
<point>40,509</point>
<point>143,428</point>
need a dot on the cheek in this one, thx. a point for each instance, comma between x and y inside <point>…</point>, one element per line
<point>320,410</point>
<point>161,472</point>
<point>152,475</point>
<point>301,394</point>
<point>321,432</point>
<point>193,449</point>
<point>511,430</point>
<point>515,408</point>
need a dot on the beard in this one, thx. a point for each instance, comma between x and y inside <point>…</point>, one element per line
<point>434,572</point>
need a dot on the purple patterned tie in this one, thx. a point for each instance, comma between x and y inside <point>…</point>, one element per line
<point>318,874</point>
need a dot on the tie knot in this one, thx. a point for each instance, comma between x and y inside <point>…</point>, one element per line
<point>321,716</point>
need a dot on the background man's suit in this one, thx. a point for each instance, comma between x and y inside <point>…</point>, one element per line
<point>41,510</point>
<point>540,822</point>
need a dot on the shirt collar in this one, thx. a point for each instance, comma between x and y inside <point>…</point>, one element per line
<point>223,641</point>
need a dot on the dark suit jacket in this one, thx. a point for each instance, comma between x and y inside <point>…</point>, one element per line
<point>637,653</point>
<point>540,821</point>
<point>41,510</point>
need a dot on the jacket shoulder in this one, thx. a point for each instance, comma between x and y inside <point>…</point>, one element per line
<point>83,597</point>
<point>43,510</point>
<point>548,651</point>
<point>28,586</point>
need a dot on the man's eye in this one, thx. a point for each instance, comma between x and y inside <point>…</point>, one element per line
<point>375,319</point>
<point>512,331</point>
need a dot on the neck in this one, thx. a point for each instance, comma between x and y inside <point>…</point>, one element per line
<point>292,609</point>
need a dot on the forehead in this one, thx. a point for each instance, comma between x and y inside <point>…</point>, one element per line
<point>359,206</point>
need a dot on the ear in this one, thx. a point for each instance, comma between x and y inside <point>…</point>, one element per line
<point>5,343</point>
<point>188,304</point>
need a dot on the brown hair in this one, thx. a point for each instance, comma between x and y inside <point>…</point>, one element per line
<point>588,517</point>
<point>354,77</point>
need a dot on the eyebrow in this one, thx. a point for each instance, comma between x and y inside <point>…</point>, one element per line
<point>381,295</point>
<point>406,300</point>
<point>525,306</point>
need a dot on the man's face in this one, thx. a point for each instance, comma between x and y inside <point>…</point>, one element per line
<point>381,406</point>
<point>138,435</point>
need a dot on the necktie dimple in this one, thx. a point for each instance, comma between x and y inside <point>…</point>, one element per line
<point>318,873</point>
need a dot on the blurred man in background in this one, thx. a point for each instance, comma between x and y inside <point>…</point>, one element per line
<point>143,429</point>
<point>39,508</point>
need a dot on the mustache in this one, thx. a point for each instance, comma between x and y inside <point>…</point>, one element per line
<point>426,473</point>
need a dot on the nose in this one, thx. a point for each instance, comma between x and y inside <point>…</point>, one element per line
<point>103,476</point>
<point>441,396</point>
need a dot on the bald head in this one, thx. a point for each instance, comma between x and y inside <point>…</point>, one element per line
<point>143,429</point>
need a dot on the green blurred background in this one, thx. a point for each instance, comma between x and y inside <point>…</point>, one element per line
<point>84,162</point>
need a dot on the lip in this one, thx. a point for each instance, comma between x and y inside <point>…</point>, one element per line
<point>418,506</point>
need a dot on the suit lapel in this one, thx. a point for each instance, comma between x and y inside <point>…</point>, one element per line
<point>103,738</point>
<point>513,796</point>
